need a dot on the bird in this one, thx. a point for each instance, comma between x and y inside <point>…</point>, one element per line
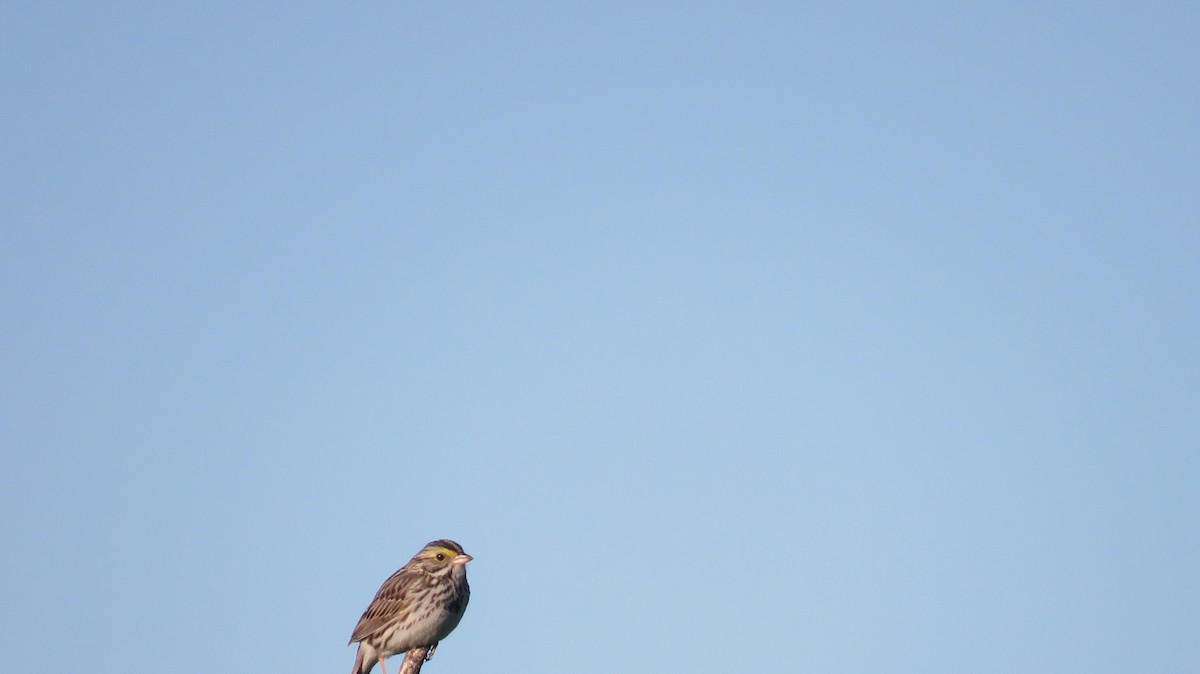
<point>418,605</point>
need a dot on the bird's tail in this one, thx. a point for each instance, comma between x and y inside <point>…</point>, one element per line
<point>365,660</point>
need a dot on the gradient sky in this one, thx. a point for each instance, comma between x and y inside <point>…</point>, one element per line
<point>768,336</point>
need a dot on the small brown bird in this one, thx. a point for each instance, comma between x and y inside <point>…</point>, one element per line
<point>419,605</point>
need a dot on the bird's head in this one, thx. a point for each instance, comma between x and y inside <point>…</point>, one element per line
<point>441,554</point>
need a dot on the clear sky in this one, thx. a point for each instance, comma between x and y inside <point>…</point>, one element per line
<point>763,336</point>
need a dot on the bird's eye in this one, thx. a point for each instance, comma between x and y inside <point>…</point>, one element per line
<point>441,557</point>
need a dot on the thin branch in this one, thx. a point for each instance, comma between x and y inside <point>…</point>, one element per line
<point>414,659</point>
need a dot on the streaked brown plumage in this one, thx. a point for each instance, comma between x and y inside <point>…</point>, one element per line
<point>417,606</point>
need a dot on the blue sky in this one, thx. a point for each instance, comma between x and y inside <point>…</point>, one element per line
<point>816,337</point>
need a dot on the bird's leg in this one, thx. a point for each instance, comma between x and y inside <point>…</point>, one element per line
<point>383,667</point>
<point>429,655</point>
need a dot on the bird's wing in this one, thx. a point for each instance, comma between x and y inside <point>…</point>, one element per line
<point>391,602</point>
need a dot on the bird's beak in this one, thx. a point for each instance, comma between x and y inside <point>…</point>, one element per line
<point>462,559</point>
